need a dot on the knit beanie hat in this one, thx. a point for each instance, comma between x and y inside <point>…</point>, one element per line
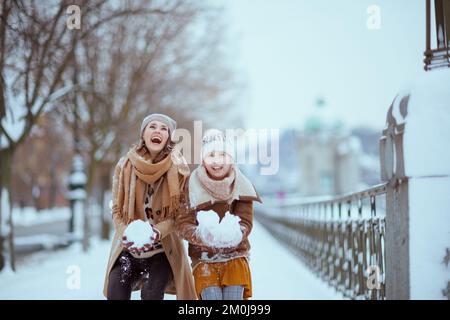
<point>215,140</point>
<point>168,121</point>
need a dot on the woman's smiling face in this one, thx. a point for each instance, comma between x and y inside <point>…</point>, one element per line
<point>217,164</point>
<point>156,135</point>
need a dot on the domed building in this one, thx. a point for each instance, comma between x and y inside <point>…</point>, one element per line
<point>328,155</point>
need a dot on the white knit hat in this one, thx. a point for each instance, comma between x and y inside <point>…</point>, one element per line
<point>215,140</point>
<point>168,121</point>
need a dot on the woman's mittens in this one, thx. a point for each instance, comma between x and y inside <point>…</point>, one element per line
<point>127,244</point>
<point>156,234</point>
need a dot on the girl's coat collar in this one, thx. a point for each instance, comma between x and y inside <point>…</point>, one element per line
<point>199,197</point>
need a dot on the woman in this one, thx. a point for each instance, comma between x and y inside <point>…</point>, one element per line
<point>148,185</point>
<point>217,184</point>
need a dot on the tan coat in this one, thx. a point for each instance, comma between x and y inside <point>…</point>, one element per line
<point>182,283</point>
<point>186,226</point>
<point>240,205</point>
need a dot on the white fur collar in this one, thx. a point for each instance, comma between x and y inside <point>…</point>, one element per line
<point>244,188</point>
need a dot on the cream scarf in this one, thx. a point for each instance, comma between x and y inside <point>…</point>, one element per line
<point>219,189</point>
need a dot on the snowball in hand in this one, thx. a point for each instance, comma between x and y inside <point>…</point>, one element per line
<point>208,221</point>
<point>139,232</point>
<point>230,230</point>
<point>226,234</point>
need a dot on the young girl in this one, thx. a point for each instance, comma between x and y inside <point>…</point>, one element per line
<point>147,186</point>
<point>221,272</point>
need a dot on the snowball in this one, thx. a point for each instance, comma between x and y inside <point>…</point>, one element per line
<point>139,232</point>
<point>230,230</point>
<point>208,221</point>
<point>226,233</point>
<point>208,218</point>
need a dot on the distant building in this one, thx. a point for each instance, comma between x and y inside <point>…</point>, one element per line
<point>321,158</point>
<point>329,164</point>
<point>328,156</point>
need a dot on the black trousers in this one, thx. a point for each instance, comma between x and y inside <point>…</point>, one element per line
<point>154,273</point>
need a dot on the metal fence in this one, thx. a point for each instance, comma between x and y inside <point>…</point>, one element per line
<point>340,239</point>
<point>359,242</point>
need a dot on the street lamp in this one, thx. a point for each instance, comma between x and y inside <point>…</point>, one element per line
<point>77,195</point>
<point>439,56</point>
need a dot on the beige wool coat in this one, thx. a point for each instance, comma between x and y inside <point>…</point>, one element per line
<point>182,283</point>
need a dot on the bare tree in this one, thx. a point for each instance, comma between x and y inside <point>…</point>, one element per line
<point>36,49</point>
<point>169,63</point>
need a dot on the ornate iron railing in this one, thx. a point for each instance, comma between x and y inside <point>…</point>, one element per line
<point>360,243</point>
<point>340,239</point>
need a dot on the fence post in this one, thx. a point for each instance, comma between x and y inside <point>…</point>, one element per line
<point>397,208</point>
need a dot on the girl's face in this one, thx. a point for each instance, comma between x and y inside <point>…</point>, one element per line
<point>217,164</point>
<point>156,135</point>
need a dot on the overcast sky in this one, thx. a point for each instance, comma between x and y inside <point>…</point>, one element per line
<point>290,52</point>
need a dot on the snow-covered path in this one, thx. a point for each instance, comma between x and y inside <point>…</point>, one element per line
<point>279,275</point>
<point>276,274</point>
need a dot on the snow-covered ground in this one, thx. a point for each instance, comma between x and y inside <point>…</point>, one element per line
<point>28,216</point>
<point>72,274</point>
<point>279,275</point>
